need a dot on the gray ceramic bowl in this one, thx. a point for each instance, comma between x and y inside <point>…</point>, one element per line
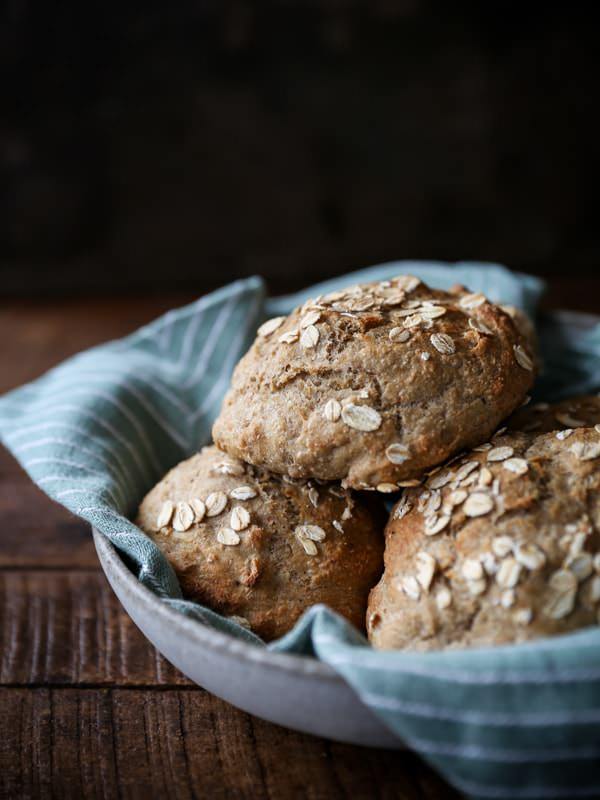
<point>300,693</point>
<point>293,691</point>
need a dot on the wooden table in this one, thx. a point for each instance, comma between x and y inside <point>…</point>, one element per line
<point>88,708</point>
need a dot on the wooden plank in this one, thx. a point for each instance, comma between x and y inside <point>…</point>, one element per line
<point>69,628</point>
<point>25,744</point>
<point>38,334</point>
<point>82,744</point>
<point>57,745</point>
<point>183,744</point>
<point>35,531</point>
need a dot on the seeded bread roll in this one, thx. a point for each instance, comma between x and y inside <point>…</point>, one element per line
<point>255,546</point>
<point>525,327</point>
<point>374,384</point>
<point>576,412</point>
<point>500,546</point>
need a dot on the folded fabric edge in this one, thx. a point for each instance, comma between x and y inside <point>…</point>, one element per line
<point>517,288</point>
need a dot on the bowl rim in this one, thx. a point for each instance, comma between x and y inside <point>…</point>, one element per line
<point>114,566</point>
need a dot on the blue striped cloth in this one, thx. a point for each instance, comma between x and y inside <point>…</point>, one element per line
<point>101,429</point>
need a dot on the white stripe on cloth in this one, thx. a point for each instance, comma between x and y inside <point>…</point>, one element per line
<point>126,411</point>
<point>99,509</point>
<point>68,492</point>
<point>128,414</point>
<point>52,478</point>
<point>164,336</point>
<point>115,472</point>
<point>483,677</point>
<point>49,426</point>
<point>34,462</point>
<point>510,719</point>
<point>179,438</point>
<point>211,341</point>
<point>526,792</point>
<point>171,318</point>
<point>124,377</point>
<point>504,755</point>
<point>219,386</point>
<point>187,341</point>
<point>155,330</point>
<point>118,436</point>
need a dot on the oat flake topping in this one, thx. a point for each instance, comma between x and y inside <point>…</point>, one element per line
<point>310,319</point>
<point>199,508</point>
<point>313,532</point>
<point>434,525</point>
<point>480,327</point>
<point>361,418</point>
<point>502,545</point>
<point>270,326</point>
<point>289,337</point>
<point>215,503</point>
<point>443,598</point>
<point>426,565</point>
<point>239,519</point>
<point>508,573</point>
<point>443,343</point>
<point>332,410</point>
<point>387,488</point>
<point>309,337</point>
<point>183,517</point>
<point>410,587</point>
<point>517,465</point>
<point>472,300</point>
<point>242,493</point>
<point>586,451</point>
<point>165,514</point>
<point>478,504</point>
<point>397,453</point>
<point>523,360</point>
<point>499,453</point>
<point>399,335</point>
<point>228,537</point>
<point>562,588</point>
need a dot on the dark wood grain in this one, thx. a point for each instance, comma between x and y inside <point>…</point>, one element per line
<point>74,743</point>
<point>67,627</point>
<point>37,532</point>
<point>37,334</point>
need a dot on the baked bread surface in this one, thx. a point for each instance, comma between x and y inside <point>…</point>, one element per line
<point>375,384</point>
<point>582,411</point>
<point>262,548</point>
<point>500,546</point>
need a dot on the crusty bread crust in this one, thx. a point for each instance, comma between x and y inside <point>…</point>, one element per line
<point>582,411</point>
<point>500,546</point>
<point>290,546</point>
<point>375,384</point>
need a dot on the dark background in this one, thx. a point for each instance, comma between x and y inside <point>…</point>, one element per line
<point>166,146</point>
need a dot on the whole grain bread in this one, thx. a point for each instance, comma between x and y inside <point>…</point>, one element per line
<point>582,411</point>
<point>264,548</point>
<point>375,384</point>
<point>502,545</point>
